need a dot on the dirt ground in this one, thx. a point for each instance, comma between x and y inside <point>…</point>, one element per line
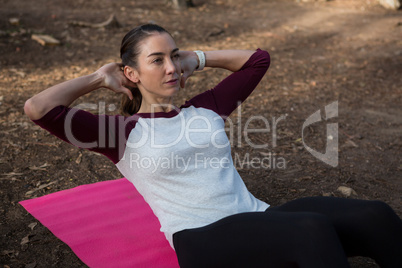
<point>321,52</point>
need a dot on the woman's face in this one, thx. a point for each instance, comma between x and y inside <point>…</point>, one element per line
<point>159,70</point>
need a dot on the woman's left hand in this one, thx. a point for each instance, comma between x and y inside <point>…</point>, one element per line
<point>189,62</point>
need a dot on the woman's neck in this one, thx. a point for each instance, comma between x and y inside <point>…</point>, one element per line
<point>160,105</point>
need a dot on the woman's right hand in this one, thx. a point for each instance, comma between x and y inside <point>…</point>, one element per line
<point>189,63</point>
<point>114,79</point>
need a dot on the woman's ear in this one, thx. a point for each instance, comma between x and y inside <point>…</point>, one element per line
<point>131,74</point>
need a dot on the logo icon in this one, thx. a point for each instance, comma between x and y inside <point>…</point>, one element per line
<point>330,156</point>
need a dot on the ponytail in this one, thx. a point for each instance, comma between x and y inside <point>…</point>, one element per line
<point>129,107</point>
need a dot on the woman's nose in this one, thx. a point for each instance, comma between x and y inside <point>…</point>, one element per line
<point>170,67</point>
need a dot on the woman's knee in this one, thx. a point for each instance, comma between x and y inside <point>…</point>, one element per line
<point>378,210</point>
<point>381,207</point>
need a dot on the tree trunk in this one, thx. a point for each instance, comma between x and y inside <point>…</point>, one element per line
<point>391,4</point>
<point>182,3</point>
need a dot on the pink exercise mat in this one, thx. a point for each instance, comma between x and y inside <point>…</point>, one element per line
<point>106,224</point>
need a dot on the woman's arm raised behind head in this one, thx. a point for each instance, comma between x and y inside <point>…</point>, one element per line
<point>234,89</point>
<point>61,94</point>
<point>109,76</point>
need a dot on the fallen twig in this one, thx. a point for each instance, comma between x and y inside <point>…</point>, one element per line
<point>41,187</point>
<point>110,22</point>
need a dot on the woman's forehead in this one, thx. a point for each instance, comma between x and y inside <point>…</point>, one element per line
<point>158,43</point>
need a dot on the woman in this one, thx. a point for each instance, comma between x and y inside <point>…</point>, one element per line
<point>179,159</point>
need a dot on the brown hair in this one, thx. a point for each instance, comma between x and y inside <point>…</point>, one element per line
<point>129,51</point>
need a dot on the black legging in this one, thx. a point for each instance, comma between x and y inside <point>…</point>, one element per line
<point>308,232</point>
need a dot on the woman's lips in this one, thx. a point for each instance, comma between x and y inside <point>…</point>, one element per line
<point>172,82</point>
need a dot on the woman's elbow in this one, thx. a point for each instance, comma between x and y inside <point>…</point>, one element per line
<point>30,111</point>
<point>267,59</point>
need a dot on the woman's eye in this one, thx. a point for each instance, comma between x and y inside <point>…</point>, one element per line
<point>176,56</point>
<point>157,60</point>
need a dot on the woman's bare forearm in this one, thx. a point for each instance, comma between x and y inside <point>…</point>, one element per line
<point>108,76</point>
<point>231,60</point>
<point>61,94</point>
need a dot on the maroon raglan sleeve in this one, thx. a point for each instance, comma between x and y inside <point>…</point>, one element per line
<point>100,133</point>
<point>234,89</point>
